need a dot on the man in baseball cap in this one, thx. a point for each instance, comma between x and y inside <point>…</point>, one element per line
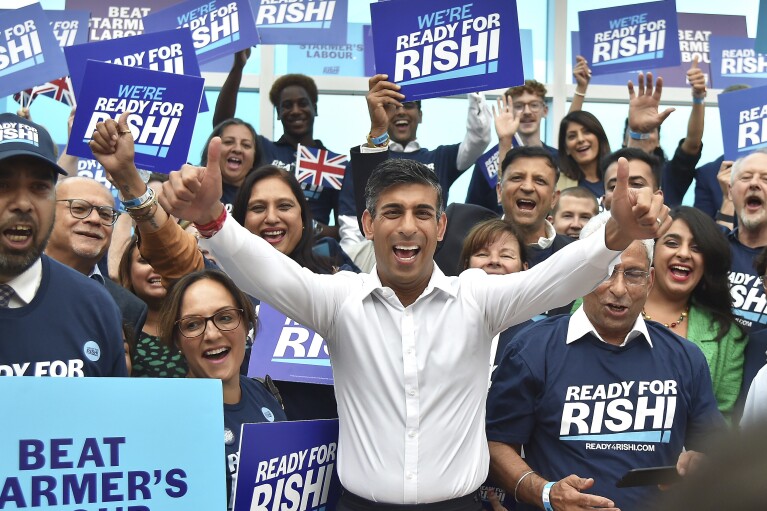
<point>64,324</point>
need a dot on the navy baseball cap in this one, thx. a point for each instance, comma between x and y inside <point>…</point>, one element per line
<point>22,137</point>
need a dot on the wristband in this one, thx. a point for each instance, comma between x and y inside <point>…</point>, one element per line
<point>380,141</point>
<point>211,228</point>
<point>138,201</point>
<point>698,101</point>
<point>545,497</point>
<point>581,94</point>
<point>638,136</point>
<point>721,217</point>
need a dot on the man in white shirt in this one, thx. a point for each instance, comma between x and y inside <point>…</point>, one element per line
<point>409,346</point>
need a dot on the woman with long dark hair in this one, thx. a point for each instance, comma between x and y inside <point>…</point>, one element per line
<point>691,297</point>
<point>582,144</point>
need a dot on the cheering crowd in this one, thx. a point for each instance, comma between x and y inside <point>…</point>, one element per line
<point>619,329</point>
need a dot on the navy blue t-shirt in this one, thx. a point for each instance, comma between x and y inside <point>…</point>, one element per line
<point>748,298</point>
<point>72,327</point>
<point>598,410</point>
<point>598,188</point>
<point>441,160</point>
<point>282,154</point>
<point>256,405</point>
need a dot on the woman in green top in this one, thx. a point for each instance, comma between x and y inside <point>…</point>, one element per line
<point>691,297</point>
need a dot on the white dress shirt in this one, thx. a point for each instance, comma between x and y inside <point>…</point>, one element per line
<point>580,325</point>
<point>411,382</point>
<point>25,285</point>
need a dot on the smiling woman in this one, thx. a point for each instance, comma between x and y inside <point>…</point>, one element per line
<point>582,143</point>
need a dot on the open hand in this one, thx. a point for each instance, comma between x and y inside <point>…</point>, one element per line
<point>643,105</point>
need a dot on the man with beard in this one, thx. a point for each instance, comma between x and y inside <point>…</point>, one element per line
<point>748,192</point>
<point>82,233</point>
<point>54,321</point>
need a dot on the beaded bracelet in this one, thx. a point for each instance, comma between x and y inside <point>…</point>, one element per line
<point>211,228</point>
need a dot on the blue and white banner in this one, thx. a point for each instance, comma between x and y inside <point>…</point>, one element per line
<point>163,105</point>
<point>630,38</point>
<point>435,48</point>
<point>696,33</point>
<point>743,115</point>
<point>116,19</point>
<point>301,21</point>
<point>29,53</point>
<point>171,51</point>
<point>294,469</point>
<point>219,27</point>
<point>288,351</point>
<point>735,61</point>
<point>489,164</point>
<point>346,59</point>
<point>91,444</point>
<point>69,27</point>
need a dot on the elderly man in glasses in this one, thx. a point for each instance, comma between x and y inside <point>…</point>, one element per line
<point>53,320</point>
<point>82,232</point>
<point>593,395</point>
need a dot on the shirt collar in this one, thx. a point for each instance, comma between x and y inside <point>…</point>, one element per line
<point>283,140</point>
<point>411,146</point>
<point>546,241</point>
<point>26,284</point>
<point>96,275</point>
<point>438,280</point>
<point>580,325</point>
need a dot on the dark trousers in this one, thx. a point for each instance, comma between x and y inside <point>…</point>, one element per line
<point>351,502</point>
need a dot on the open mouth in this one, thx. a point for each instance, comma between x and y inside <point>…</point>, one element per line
<point>679,272</point>
<point>155,281</point>
<point>233,162</point>
<point>274,236</point>
<point>754,202</point>
<point>617,309</point>
<point>525,204</point>
<point>405,253</point>
<point>19,235</point>
<point>216,354</point>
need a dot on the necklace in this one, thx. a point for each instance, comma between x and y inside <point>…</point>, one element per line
<point>672,325</point>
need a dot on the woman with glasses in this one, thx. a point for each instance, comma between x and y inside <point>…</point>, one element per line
<point>691,297</point>
<point>149,357</point>
<point>582,144</point>
<point>207,319</point>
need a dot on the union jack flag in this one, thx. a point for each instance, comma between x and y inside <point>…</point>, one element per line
<point>317,167</point>
<point>59,89</point>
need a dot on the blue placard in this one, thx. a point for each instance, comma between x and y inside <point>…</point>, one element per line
<point>735,61</point>
<point>330,59</point>
<point>743,115</point>
<point>288,351</point>
<point>69,27</point>
<point>29,53</point>
<point>170,51</point>
<point>435,48</point>
<point>219,27</point>
<point>489,164</point>
<point>102,443</point>
<point>164,109</point>
<point>630,37</point>
<point>367,42</point>
<point>301,21</point>
<point>288,465</point>
<point>116,19</point>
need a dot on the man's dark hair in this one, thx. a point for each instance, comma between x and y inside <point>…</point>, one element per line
<point>633,153</point>
<point>399,171</point>
<point>283,81</point>
<point>529,152</point>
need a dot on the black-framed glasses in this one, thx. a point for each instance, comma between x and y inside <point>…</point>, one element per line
<point>632,277</point>
<point>194,326</point>
<point>534,106</point>
<point>81,209</point>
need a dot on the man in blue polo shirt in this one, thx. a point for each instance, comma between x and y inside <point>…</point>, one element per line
<point>595,394</point>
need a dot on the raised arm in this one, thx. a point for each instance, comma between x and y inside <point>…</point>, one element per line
<point>644,117</point>
<point>693,142</point>
<point>226,104</point>
<point>582,75</point>
<point>67,161</point>
<point>506,124</point>
<point>477,132</point>
<point>170,250</point>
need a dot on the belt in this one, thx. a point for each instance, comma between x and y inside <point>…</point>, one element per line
<point>470,502</point>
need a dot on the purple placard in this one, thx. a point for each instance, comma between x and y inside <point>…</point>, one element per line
<point>489,163</point>
<point>297,464</point>
<point>736,62</point>
<point>170,51</point>
<point>301,21</point>
<point>743,115</point>
<point>435,48</point>
<point>695,33</point>
<point>115,19</point>
<point>288,351</point>
<point>163,105</point>
<point>219,27</point>
<point>367,43</point>
<point>69,27</point>
<point>630,37</point>
<point>29,53</point>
